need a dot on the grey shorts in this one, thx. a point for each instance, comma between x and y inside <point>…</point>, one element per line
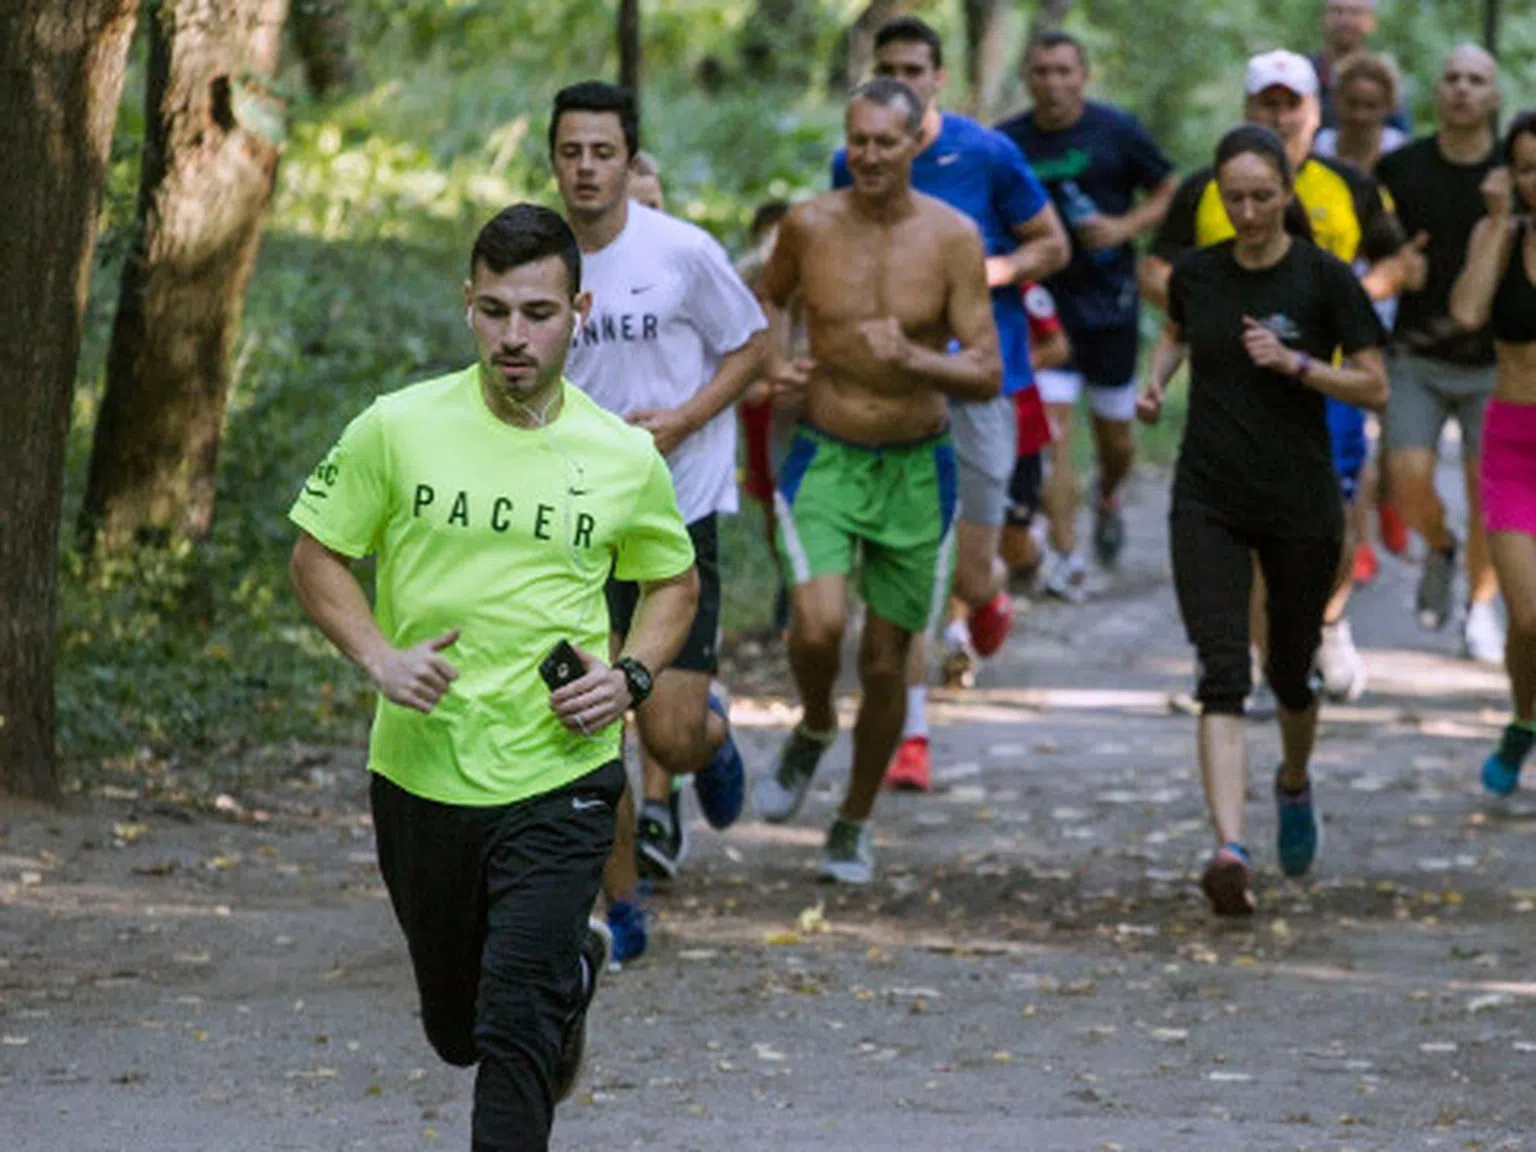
<point>1426,393</point>
<point>986,438</point>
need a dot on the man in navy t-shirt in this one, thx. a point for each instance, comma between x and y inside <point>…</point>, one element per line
<point>1111,183</point>
<point>982,174</point>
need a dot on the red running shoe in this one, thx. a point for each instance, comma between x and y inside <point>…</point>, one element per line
<point>911,770</point>
<point>1367,567</point>
<point>1394,530</point>
<point>990,624</point>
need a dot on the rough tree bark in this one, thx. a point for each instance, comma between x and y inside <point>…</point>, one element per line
<point>1049,14</point>
<point>61,78</point>
<point>212,132</point>
<point>986,53</point>
<point>855,52</point>
<point>324,42</point>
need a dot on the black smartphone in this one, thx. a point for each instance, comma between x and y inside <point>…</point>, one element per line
<point>561,666</point>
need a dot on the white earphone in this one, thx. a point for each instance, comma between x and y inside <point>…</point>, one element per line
<point>469,318</point>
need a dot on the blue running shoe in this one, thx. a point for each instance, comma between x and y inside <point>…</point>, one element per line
<point>627,921</point>
<point>1501,771</point>
<point>721,786</point>
<point>1300,828</point>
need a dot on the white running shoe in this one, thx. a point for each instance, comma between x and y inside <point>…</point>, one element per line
<point>1064,577</point>
<point>1483,636</point>
<point>1340,664</point>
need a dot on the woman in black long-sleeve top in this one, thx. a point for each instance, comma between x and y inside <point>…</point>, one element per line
<point>1261,318</point>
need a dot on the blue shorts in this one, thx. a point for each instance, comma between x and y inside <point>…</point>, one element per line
<point>1346,430</point>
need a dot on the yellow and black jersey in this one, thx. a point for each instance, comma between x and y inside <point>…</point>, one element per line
<point>1351,215</point>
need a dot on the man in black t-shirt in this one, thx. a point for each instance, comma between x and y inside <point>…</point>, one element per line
<point>1111,183</point>
<point>1440,371</point>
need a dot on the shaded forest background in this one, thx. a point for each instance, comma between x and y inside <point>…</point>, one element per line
<point>396,129</point>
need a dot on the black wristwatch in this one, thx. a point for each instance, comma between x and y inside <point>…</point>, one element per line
<point>637,677</point>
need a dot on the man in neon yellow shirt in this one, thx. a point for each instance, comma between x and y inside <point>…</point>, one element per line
<point>497,500</point>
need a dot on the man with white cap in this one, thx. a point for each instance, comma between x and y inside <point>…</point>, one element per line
<point>1349,217</point>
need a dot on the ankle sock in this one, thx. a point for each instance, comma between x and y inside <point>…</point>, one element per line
<point>917,713</point>
<point>957,637</point>
<point>658,811</point>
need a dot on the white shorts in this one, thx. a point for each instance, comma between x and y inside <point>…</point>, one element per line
<point>1114,404</point>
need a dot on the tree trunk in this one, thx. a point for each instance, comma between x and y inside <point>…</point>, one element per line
<point>854,55</point>
<point>986,53</point>
<point>629,49</point>
<point>212,131</point>
<point>61,78</point>
<point>324,42</point>
<point>1049,14</point>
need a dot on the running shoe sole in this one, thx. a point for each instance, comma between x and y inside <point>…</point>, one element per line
<point>1228,885</point>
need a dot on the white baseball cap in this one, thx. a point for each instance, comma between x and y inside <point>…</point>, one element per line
<point>1282,68</point>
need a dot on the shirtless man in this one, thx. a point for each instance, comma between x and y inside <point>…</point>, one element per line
<point>888,278</point>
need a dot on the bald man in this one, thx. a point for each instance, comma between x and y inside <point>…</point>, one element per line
<point>1441,372</point>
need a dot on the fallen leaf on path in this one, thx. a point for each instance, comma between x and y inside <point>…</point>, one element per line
<point>1491,1000</point>
<point>813,919</point>
<point>129,832</point>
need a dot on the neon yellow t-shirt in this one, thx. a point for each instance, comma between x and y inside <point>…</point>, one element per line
<point>507,534</point>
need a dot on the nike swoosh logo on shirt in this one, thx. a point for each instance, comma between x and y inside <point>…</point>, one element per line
<point>948,159</point>
<point>635,291</point>
<point>586,805</point>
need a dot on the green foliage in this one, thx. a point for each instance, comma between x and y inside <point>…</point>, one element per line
<point>199,652</point>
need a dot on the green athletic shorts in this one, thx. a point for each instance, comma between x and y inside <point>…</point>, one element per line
<point>889,509</point>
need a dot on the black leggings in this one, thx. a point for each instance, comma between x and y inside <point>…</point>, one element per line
<point>494,904</point>
<point>1213,575</point>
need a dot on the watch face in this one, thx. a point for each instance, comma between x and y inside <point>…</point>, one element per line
<point>637,675</point>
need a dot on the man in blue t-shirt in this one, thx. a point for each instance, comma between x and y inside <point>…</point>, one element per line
<point>1111,183</point>
<point>982,174</point>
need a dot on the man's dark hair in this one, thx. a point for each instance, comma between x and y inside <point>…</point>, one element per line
<point>768,213</point>
<point>523,234</point>
<point>889,92</point>
<point>1257,140</point>
<point>911,30</point>
<point>1056,38</point>
<point>598,96</point>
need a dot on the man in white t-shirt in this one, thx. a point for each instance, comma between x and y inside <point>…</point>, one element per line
<point>673,340</point>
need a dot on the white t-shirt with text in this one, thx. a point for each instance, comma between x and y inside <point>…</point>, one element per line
<point>667,307</point>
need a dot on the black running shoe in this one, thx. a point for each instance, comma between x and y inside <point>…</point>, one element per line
<point>661,843</point>
<point>596,946</point>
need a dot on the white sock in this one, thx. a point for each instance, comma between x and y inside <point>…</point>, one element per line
<point>917,713</point>
<point>957,638</point>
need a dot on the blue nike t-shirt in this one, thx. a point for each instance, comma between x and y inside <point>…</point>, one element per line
<point>1103,159</point>
<point>983,174</point>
